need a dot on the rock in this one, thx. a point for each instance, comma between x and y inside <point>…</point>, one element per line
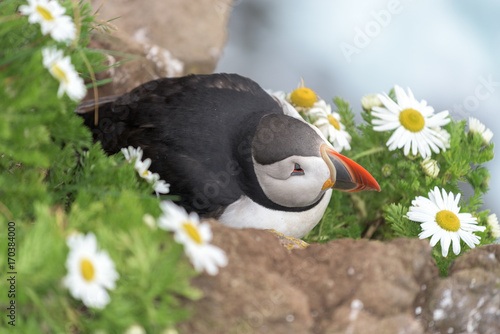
<point>344,286</point>
<point>193,33</point>
<point>468,300</point>
<point>138,64</point>
<point>159,38</point>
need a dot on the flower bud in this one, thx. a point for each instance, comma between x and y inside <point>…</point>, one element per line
<point>369,101</point>
<point>475,126</point>
<point>492,222</point>
<point>430,167</point>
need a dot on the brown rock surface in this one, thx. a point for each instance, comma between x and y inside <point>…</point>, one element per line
<point>468,300</point>
<point>138,64</point>
<point>159,38</point>
<point>345,286</point>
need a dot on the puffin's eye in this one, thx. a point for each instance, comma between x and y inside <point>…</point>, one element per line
<point>297,170</point>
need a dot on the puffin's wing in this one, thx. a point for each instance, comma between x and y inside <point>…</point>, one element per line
<point>122,118</point>
<point>188,127</point>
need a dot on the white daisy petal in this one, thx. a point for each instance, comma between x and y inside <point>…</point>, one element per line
<point>438,198</point>
<point>445,243</point>
<point>64,29</point>
<point>385,126</point>
<point>384,115</point>
<point>389,104</point>
<point>419,217</point>
<point>436,237</point>
<point>394,140</point>
<point>161,187</point>
<point>470,239</point>
<point>440,119</point>
<point>404,100</point>
<point>426,233</point>
<point>432,140</point>
<point>455,237</point>
<point>131,154</point>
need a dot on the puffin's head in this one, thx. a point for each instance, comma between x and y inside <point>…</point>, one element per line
<point>295,166</point>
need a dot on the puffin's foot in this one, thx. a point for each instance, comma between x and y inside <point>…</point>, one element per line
<point>289,242</point>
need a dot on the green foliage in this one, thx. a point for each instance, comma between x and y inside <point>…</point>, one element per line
<point>395,215</point>
<point>54,181</point>
<point>382,215</point>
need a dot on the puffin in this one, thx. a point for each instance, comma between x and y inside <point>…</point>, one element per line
<point>229,150</point>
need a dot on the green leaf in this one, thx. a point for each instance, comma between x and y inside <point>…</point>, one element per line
<point>395,215</point>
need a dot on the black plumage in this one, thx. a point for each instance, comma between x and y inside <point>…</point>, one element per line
<point>199,133</point>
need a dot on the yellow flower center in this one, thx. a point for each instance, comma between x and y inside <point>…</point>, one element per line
<point>87,269</point>
<point>412,120</point>
<point>448,221</point>
<point>303,97</point>
<point>333,121</point>
<point>59,74</point>
<point>146,172</point>
<point>192,231</point>
<point>47,15</point>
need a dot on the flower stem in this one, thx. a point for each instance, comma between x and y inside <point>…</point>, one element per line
<point>368,152</point>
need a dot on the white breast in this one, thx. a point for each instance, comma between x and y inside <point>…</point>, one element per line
<point>246,213</point>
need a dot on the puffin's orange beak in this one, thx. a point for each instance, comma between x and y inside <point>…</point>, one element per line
<point>345,174</point>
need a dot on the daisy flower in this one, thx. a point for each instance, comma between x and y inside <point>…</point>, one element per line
<point>50,15</point>
<point>319,113</point>
<point>195,237</point>
<point>90,271</point>
<point>160,186</point>
<point>475,126</point>
<point>142,168</point>
<point>440,219</point>
<point>131,153</point>
<point>303,97</point>
<point>329,123</point>
<point>61,68</point>
<point>492,222</point>
<point>414,123</point>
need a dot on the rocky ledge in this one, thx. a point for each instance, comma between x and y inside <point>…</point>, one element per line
<point>344,286</point>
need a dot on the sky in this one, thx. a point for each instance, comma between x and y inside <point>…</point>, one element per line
<point>447,52</point>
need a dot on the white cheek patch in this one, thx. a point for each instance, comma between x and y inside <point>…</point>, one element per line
<point>293,191</point>
<point>275,171</point>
